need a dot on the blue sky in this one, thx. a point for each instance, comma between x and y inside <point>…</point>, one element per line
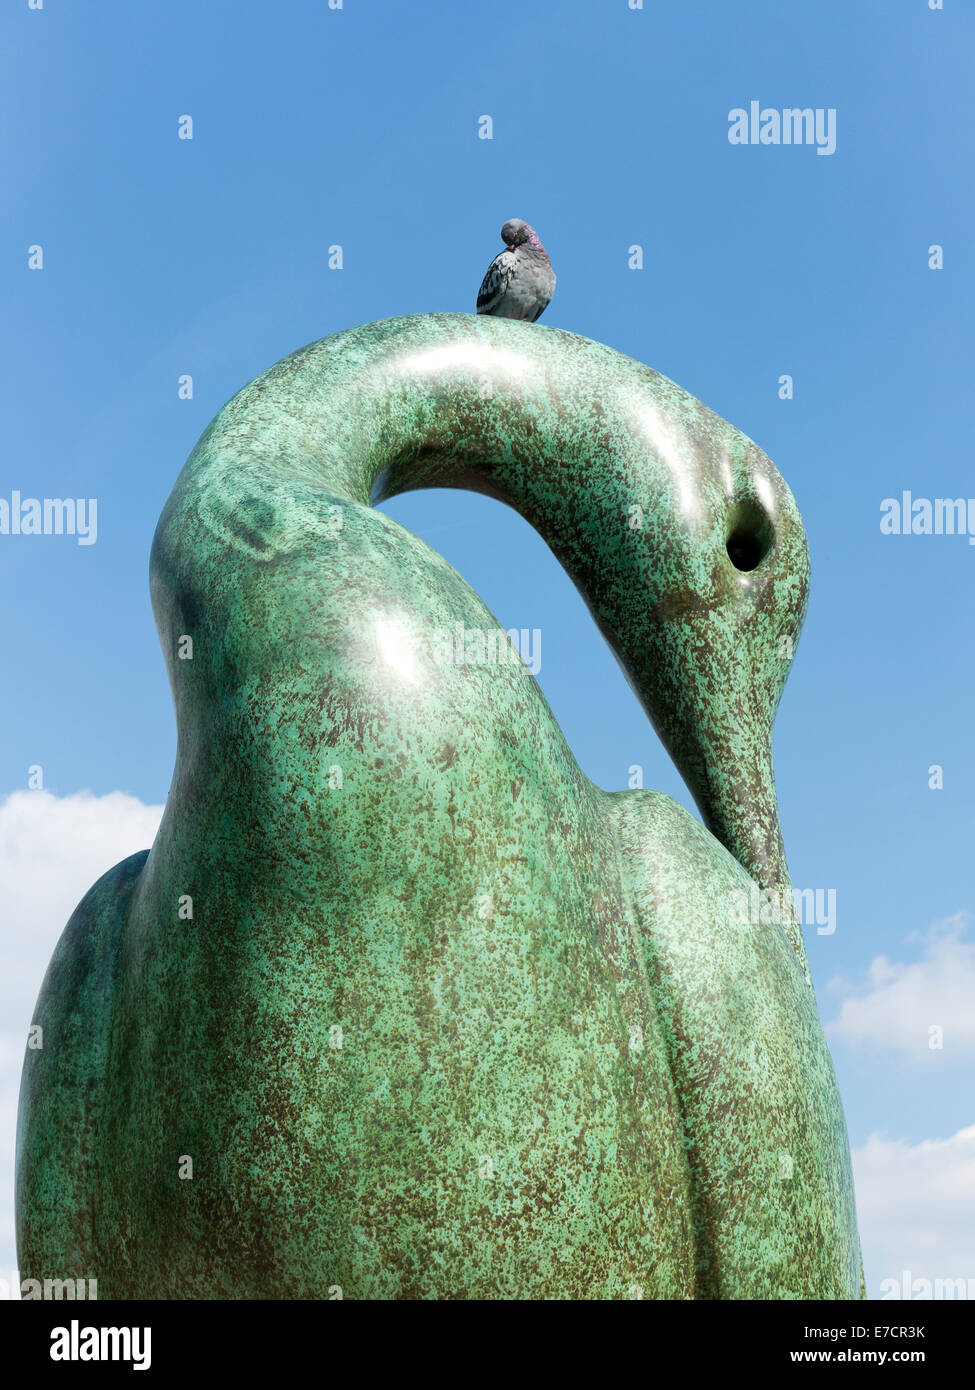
<point>359,127</point>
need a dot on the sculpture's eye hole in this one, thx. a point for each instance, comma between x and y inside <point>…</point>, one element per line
<point>750,536</point>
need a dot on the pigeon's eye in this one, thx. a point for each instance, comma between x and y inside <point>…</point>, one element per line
<point>751,536</point>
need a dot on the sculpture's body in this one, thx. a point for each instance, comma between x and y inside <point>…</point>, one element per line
<point>563,1070</point>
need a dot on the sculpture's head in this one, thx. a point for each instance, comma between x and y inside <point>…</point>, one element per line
<point>705,614</point>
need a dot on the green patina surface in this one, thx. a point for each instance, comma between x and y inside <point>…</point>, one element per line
<point>448,1020</point>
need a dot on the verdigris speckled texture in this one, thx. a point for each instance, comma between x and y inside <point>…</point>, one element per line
<point>447,1020</point>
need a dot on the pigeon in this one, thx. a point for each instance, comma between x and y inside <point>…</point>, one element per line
<point>520,281</point>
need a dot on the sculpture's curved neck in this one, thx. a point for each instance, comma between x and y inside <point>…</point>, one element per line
<point>632,482</point>
<point>536,417</point>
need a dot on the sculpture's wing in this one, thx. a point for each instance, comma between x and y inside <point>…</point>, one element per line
<point>494,286</point>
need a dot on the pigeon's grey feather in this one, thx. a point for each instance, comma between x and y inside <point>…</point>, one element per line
<point>495,284</point>
<point>520,281</point>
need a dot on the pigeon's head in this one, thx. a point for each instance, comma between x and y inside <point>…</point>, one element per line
<point>517,233</point>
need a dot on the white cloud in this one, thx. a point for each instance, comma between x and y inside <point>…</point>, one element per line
<point>52,849</point>
<point>901,1003</point>
<point>916,1211</point>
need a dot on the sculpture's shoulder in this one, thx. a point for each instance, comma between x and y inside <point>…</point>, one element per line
<point>80,960</point>
<point>57,1128</point>
<point>668,854</point>
<point>691,897</point>
<point>74,1002</point>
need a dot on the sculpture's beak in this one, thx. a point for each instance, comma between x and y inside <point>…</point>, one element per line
<point>723,749</point>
